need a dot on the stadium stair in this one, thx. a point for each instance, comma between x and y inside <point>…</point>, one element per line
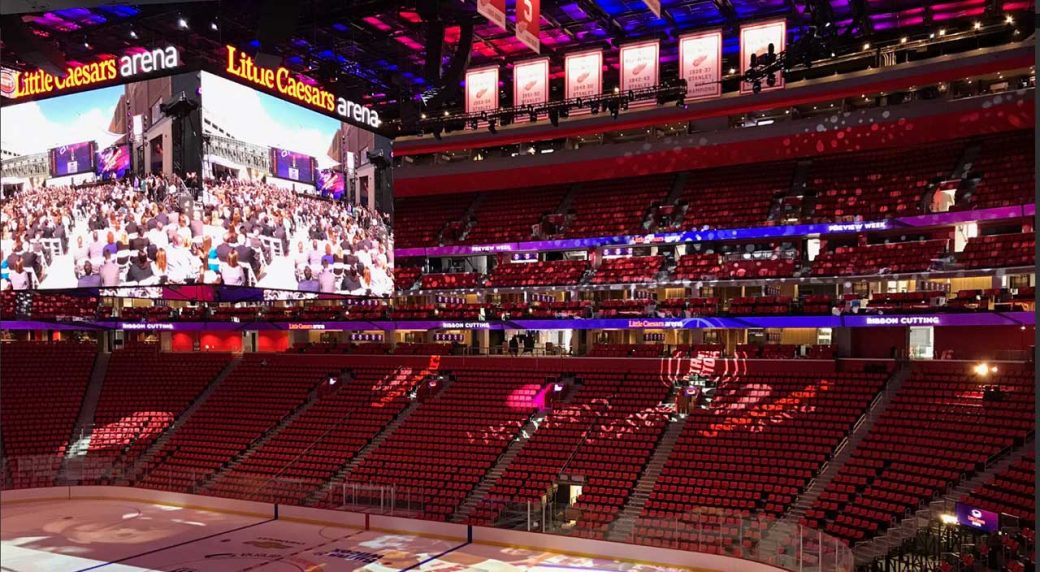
<point>79,442</point>
<point>143,461</point>
<point>480,492</point>
<point>343,474</point>
<point>312,398</point>
<point>895,536</point>
<point>623,527</point>
<point>844,449</point>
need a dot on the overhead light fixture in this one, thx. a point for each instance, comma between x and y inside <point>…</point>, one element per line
<point>491,126</point>
<point>445,112</point>
<point>182,23</point>
<point>133,34</point>
<point>977,25</point>
<point>866,46</point>
<point>422,115</point>
<point>213,26</point>
<point>1009,19</point>
<point>903,40</point>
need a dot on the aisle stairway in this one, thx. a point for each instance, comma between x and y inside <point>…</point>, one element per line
<point>312,398</point>
<point>343,474</point>
<point>896,535</point>
<point>480,492</point>
<point>81,432</point>
<point>141,462</point>
<point>844,449</point>
<point>621,530</point>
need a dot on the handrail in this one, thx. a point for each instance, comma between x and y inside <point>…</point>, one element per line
<point>585,435</point>
<point>306,450</point>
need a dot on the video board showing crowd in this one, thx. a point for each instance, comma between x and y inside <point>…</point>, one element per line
<point>287,167</point>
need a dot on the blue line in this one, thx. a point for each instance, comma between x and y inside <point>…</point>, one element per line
<point>436,556</point>
<point>102,565</point>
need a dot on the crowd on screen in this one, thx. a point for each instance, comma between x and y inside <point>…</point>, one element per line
<point>153,231</point>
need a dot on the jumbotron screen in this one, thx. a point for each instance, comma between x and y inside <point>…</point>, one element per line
<point>331,184</point>
<point>113,162</point>
<point>311,237</point>
<point>292,165</point>
<point>72,159</point>
<point>87,220</point>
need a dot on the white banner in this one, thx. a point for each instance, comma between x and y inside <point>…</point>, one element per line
<point>531,82</point>
<point>493,10</point>
<point>482,90</point>
<point>639,68</point>
<point>700,64</point>
<point>583,76</point>
<point>755,39</point>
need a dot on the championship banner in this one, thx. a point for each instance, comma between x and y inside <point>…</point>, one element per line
<point>583,76</point>
<point>528,22</point>
<point>639,68</point>
<point>654,6</point>
<point>482,90</point>
<point>700,64</point>
<point>531,82</point>
<point>755,39</point>
<point>493,10</point>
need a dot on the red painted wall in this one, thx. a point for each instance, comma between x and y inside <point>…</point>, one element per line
<point>272,341</point>
<point>182,341</point>
<point>878,342</point>
<point>208,341</point>
<point>988,343</point>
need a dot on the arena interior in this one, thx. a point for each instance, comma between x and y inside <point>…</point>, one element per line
<point>609,285</point>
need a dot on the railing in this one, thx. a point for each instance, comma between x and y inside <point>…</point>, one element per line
<point>752,537</point>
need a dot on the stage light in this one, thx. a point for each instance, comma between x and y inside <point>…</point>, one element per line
<point>866,46</point>
<point>617,90</point>
<point>446,113</point>
<point>491,126</point>
<point>931,36</point>
<point>771,79</point>
<point>948,518</point>
<point>532,116</point>
<point>732,70</point>
<point>213,26</point>
<point>903,40</point>
<point>182,23</point>
<point>982,369</point>
<point>1009,20</point>
<point>977,25</point>
<point>86,45</point>
<point>942,32</point>
<point>422,115</point>
<point>554,117</point>
<point>133,34</point>
<point>756,87</point>
<point>595,107</point>
<point>473,123</point>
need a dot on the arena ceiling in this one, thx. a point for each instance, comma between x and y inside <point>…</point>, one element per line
<point>375,51</point>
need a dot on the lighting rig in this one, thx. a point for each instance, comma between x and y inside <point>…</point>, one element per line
<point>818,42</point>
<point>612,103</point>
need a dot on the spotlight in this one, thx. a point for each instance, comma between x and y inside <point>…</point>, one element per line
<point>213,26</point>
<point>182,23</point>
<point>595,107</point>
<point>446,113</point>
<point>1009,19</point>
<point>422,115</point>
<point>86,45</point>
<point>948,518</point>
<point>866,46</point>
<point>771,79</point>
<point>565,112</point>
<point>491,126</point>
<point>982,369</point>
<point>942,32</point>
<point>734,70</point>
<point>977,25</point>
<point>617,89</point>
<point>483,115</point>
<point>532,116</point>
<point>554,117</point>
<point>756,87</point>
<point>472,123</point>
<point>903,40</point>
<point>133,34</point>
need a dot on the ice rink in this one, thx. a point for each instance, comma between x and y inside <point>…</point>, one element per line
<point>134,536</point>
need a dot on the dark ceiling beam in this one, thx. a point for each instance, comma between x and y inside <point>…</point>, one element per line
<point>725,7</point>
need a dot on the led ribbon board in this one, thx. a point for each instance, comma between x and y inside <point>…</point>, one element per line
<point>17,84</point>
<point>285,82</point>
